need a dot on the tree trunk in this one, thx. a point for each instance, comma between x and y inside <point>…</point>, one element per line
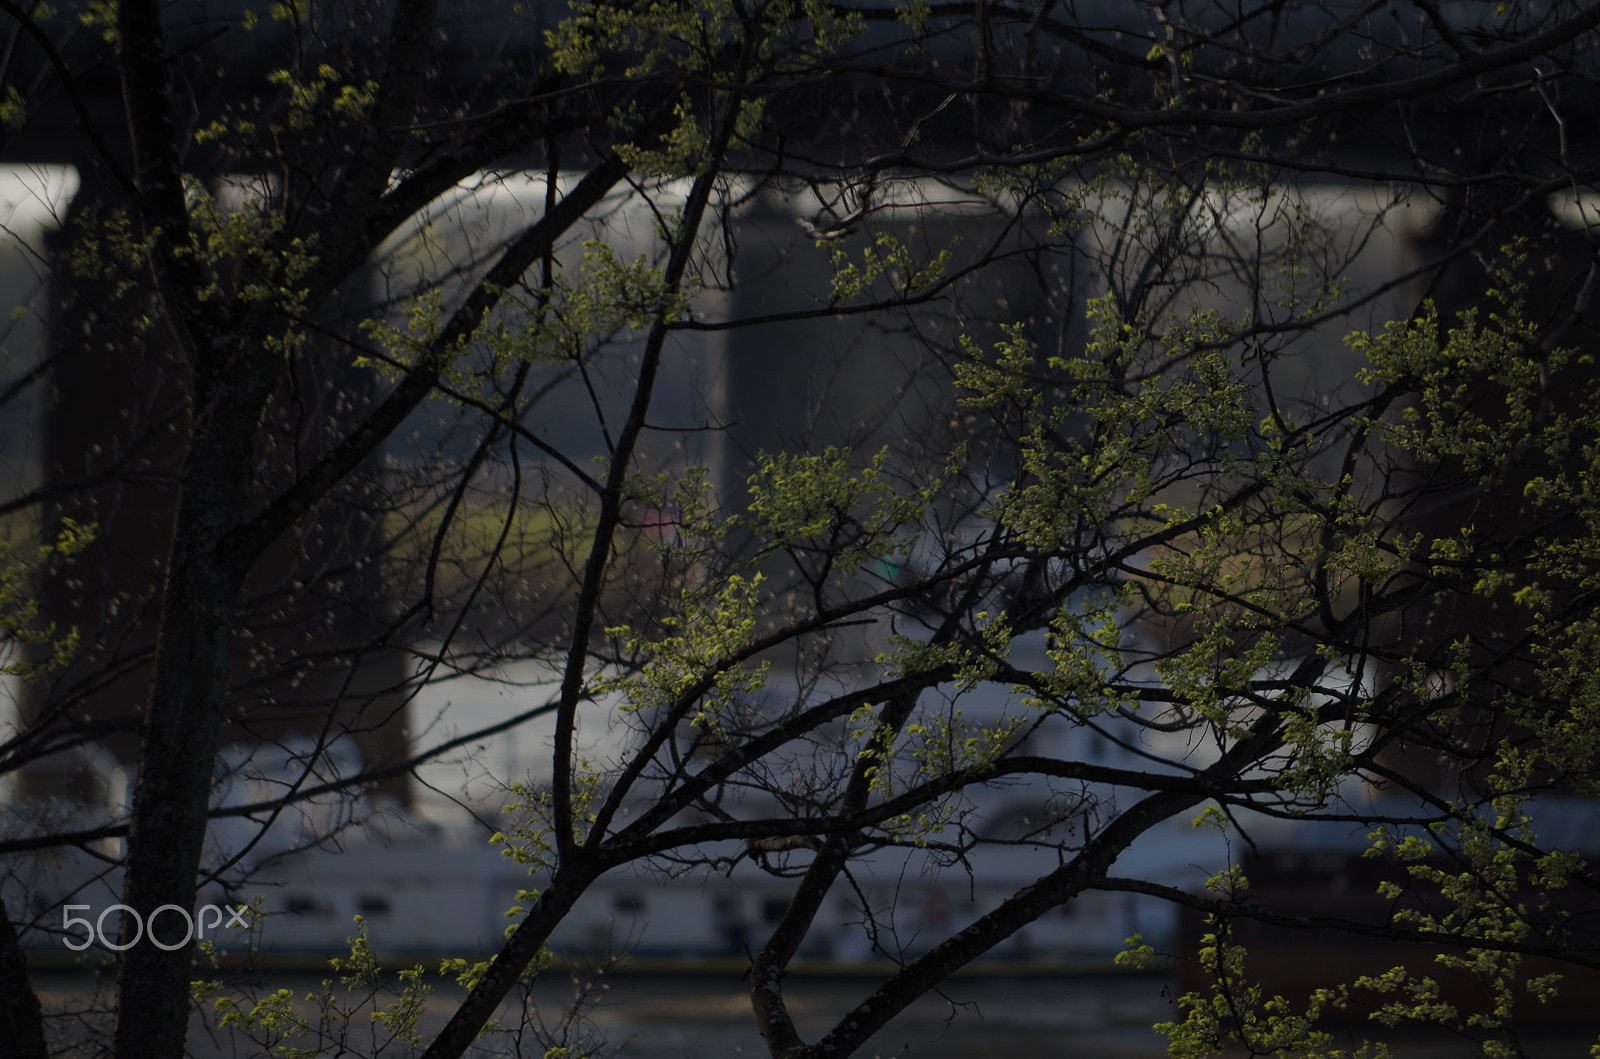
<point>21,1019</point>
<point>178,739</point>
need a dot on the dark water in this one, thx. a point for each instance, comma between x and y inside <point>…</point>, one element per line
<point>708,1017</point>
<point>1103,1018</point>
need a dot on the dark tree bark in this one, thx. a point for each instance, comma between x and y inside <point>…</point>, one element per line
<point>21,1015</point>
